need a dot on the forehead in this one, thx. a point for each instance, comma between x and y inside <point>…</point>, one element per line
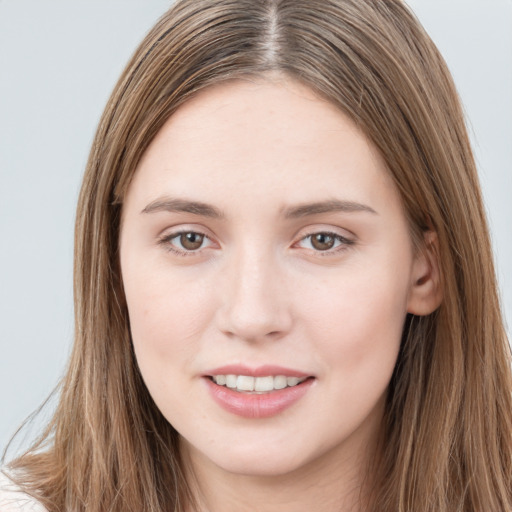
<point>261,139</point>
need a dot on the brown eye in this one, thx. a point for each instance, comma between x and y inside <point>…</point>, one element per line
<point>186,243</point>
<point>325,242</point>
<point>322,241</point>
<point>191,241</point>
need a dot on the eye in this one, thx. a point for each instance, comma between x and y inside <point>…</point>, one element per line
<point>325,241</point>
<point>185,243</point>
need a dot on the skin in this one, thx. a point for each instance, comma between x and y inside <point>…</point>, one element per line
<point>258,290</point>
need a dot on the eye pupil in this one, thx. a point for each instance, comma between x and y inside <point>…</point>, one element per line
<point>322,241</point>
<point>191,241</point>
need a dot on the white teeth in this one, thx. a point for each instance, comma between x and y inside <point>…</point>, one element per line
<point>244,383</point>
<point>280,382</point>
<point>256,384</point>
<point>231,381</point>
<point>221,380</point>
<point>292,381</point>
<point>264,384</point>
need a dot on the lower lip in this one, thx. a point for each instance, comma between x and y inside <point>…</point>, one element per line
<point>262,405</point>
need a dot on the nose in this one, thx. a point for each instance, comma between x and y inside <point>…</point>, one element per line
<point>255,302</point>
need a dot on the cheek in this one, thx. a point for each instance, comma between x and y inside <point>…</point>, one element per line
<point>356,333</point>
<point>357,324</point>
<point>166,316</point>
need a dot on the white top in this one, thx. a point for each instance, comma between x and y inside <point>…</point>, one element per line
<point>12,499</point>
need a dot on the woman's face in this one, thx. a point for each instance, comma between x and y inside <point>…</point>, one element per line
<point>263,245</point>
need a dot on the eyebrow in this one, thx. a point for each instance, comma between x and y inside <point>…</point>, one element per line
<point>331,205</point>
<point>170,204</point>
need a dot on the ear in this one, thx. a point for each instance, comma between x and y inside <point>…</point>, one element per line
<point>426,292</point>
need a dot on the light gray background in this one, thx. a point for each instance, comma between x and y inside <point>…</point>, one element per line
<point>58,63</point>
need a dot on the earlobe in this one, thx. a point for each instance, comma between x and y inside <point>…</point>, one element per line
<point>426,292</point>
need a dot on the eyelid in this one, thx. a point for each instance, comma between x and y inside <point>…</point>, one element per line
<point>327,229</point>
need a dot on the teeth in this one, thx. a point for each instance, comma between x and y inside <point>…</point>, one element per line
<point>280,382</point>
<point>264,384</point>
<point>230,381</point>
<point>256,384</point>
<point>292,381</point>
<point>244,383</point>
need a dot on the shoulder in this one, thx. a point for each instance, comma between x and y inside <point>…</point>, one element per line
<point>12,499</point>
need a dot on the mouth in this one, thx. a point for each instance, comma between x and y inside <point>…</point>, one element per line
<point>256,385</point>
<point>260,392</point>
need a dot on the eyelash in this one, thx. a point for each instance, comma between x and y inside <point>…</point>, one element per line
<point>344,243</point>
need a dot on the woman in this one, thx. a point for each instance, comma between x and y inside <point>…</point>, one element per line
<point>284,290</point>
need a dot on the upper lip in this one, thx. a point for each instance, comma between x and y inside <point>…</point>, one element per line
<point>257,371</point>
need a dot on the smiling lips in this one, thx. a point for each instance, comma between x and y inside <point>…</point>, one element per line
<point>259,393</point>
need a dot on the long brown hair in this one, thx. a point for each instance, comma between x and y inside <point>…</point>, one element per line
<point>447,429</point>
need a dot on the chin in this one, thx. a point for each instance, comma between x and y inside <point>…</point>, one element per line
<point>259,464</point>
<point>261,457</point>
